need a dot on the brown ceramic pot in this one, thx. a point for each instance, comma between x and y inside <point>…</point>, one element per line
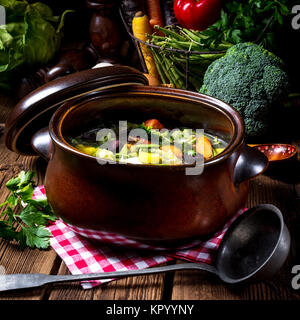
<point>151,204</point>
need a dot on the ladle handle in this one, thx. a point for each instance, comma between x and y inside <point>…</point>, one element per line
<point>21,281</point>
<point>143,272</point>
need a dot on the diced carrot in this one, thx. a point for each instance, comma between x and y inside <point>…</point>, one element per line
<point>153,124</point>
<point>204,147</point>
<point>176,151</point>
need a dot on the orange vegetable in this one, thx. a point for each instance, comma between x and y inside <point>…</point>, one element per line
<point>204,147</point>
<point>152,81</point>
<point>138,140</point>
<point>141,27</point>
<point>177,152</point>
<point>153,124</point>
<point>154,12</point>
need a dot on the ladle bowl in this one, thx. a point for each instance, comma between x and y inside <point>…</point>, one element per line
<point>256,245</point>
<point>276,152</point>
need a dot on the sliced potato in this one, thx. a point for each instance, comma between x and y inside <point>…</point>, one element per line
<point>149,158</point>
<point>105,154</point>
<point>169,158</point>
<point>125,149</point>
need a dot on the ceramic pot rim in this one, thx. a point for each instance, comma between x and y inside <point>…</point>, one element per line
<point>232,114</point>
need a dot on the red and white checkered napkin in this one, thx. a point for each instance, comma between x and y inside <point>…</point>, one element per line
<point>83,256</point>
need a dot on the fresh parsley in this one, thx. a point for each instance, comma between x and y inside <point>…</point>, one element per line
<point>25,218</point>
<point>147,129</point>
<point>252,20</point>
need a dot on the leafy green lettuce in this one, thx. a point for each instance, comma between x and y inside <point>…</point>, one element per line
<point>32,35</point>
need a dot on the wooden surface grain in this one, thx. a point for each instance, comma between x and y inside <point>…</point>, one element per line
<point>281,191</point>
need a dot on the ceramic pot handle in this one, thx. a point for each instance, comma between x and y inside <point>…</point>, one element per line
<point>41,142</point>
<point>250,163</point>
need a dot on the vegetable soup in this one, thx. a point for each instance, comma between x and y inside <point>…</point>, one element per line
<point>149,142</point>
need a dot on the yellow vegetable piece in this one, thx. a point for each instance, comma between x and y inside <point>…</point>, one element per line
<point>149,158</point>
<point>152,81</point>
<point>87,149</point>
<point>141,27</point>
<point>218,151</point>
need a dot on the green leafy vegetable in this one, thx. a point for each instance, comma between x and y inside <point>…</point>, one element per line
<point>31,36</point>
<point>28,226</point>
<point>253,20</point>
<point>252,80</point>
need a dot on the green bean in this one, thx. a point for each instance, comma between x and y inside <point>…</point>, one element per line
<point>170,33</point>
<point>154,37</point>
<point>191,36</point>
<point>194,79</point>
<point>146,146</point>
<point>158,67</point>
<point>164,68</point>
<point>178,81</point>
<point>172,65</point>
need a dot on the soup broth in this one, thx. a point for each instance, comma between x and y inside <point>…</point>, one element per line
<point>149,142</point>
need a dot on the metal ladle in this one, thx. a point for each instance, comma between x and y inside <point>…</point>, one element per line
<point>256,245</point>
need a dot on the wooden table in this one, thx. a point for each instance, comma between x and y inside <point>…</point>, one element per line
<point>178,286</point>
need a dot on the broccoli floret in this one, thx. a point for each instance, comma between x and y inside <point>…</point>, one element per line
<point>251,79</point>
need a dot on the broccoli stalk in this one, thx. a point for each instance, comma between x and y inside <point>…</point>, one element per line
<point>252,80</point>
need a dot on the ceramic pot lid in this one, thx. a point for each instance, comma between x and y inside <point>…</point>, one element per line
<point>35,110</point>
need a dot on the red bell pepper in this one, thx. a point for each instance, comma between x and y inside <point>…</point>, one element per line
<point>197,14</point>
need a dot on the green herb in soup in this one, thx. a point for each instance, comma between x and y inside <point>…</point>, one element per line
<point>148,143</point>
